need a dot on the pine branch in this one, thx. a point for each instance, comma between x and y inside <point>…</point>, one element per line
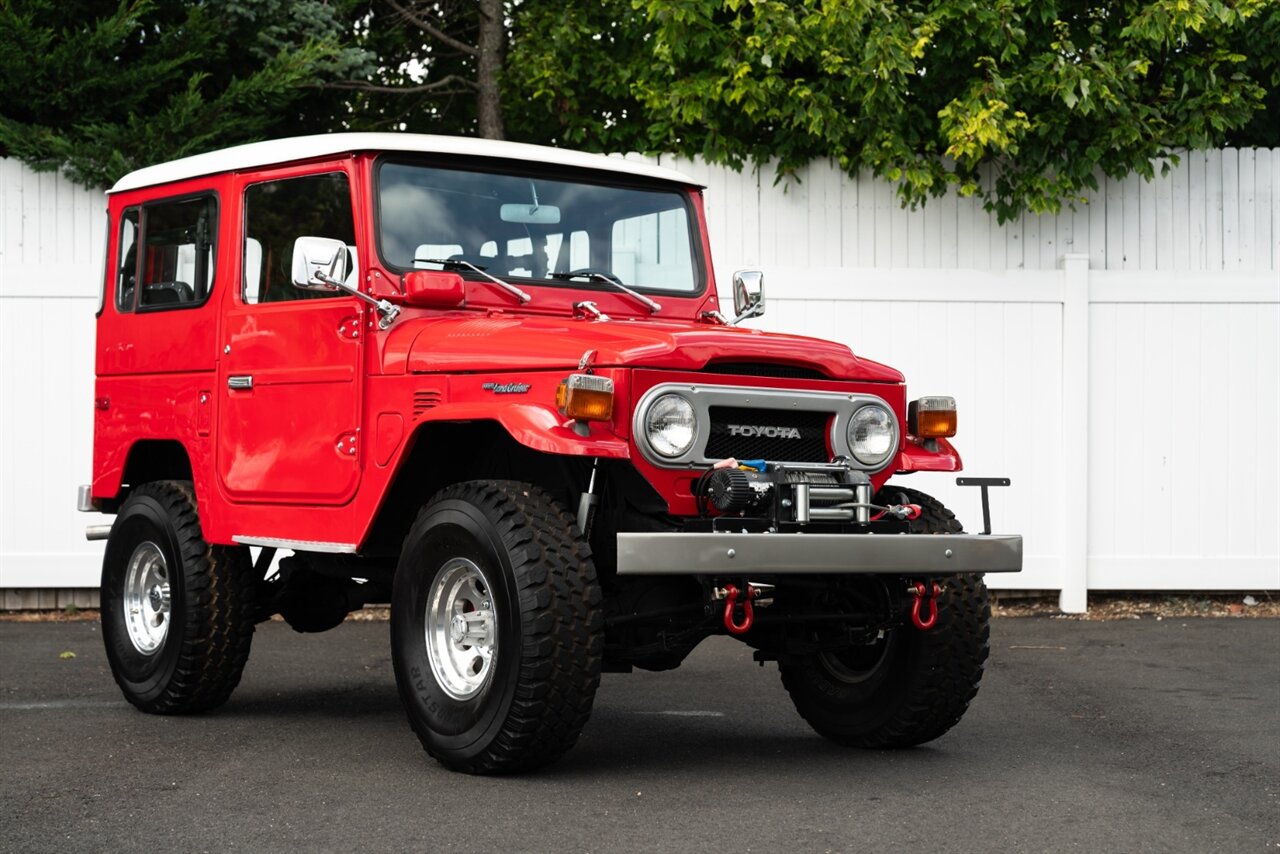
<point>432,30</point>
<point>438,87</point>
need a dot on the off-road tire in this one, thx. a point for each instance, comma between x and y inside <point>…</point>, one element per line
<point>211,618</point>
<point>546,604</point>
<point>923,682</point>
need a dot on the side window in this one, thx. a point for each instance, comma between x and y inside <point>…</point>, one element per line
<point>127,260</point>
<point>167,254</point>
<point>276,214</point>
<point>177,247</point>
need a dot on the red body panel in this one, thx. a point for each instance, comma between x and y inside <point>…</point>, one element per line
<point>916,457</point>
<point>469,342</point>
<point>310,450</point>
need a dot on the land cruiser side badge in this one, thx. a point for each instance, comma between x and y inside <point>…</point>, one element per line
<point>506,388</point>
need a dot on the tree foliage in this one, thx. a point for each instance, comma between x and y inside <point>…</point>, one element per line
<point>1049,92</point>
<point>1040,95</point>
<point>440,66</point>
<point>573,69</point>
<point>99,90</point>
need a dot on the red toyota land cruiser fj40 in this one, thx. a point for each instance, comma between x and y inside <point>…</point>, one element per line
<point>492,384</point>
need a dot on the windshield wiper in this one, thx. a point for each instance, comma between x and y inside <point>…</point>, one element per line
<point>610,279</point>
<point>455,264</point>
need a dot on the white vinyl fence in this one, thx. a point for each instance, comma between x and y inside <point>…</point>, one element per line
<point>1120,362</point>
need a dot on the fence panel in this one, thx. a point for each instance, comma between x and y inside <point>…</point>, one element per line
<point>1130,394</point>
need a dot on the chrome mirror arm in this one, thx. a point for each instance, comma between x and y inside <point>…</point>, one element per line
<point>387,313</point>
<point>754,311</point>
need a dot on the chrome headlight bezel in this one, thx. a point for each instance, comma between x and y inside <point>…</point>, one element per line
<point>656,407</point>
<point>888,429</point>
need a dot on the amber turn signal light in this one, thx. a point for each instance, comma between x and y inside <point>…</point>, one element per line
<point>932,417</point>
<point>586,397</point>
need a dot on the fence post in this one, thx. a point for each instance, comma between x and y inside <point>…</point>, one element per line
<point>1074,598</point>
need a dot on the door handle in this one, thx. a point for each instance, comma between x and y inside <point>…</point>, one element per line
<point>241,382</point>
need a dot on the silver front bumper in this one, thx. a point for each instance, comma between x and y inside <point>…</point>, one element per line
<point>829,554</point>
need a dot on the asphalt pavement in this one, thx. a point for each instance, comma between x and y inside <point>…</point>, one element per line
<point>1124,736</point>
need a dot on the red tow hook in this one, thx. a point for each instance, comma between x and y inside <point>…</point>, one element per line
<point>929,600</point>
<point>748,611</point>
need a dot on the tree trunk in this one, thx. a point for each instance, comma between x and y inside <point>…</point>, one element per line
<point>493,39</point>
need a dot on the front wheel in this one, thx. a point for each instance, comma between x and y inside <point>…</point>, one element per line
<point>909,686</point>
<point>496,628</point>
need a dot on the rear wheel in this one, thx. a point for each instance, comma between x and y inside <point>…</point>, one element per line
<point>909,686</point>
<point>496,628</point>
<point>177,613</point>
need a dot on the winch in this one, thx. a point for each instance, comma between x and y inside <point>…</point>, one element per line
<point>799,494</point>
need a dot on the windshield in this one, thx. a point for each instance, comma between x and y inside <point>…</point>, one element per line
<point>531,227</point>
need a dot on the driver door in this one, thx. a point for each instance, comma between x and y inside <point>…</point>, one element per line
<point>289,370</point>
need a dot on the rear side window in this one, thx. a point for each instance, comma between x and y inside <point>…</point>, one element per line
<point>276,214</point>
<point>168,252</point>
<point>127,274</point>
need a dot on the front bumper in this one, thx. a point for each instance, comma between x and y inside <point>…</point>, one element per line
<point>824,554</point>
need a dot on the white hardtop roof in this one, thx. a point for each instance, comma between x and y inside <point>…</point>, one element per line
<point>280,151</point>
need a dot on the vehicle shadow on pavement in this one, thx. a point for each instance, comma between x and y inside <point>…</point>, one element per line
<point>636,741</point>
<point>357,701</point>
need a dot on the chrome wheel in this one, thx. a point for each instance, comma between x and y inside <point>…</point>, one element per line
<point>146,598</point>
<point>460,628</point>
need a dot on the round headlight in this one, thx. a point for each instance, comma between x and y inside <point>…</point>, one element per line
<point>871,435</point>
<point>670,425</point>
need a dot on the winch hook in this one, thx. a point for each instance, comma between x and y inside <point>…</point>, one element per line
<point>925,598</point>
<point>748,610</point>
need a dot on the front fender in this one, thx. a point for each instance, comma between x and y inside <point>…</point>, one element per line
<point>916,457</point>
<point>537,427</point>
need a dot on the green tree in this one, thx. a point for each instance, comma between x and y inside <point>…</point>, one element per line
<point>100,89</point>
<point>440,66</point>
<point>1049,92</point>
<point>573,72</point>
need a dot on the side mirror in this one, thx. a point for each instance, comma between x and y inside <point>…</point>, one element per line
<point>320,264</point>
<point>317,261</point>
<point>748,294</point>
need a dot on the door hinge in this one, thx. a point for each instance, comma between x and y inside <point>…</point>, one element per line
<point>346,445</point>
<point>349,327</point>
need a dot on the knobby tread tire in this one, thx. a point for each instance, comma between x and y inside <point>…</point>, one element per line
<point>939,669</point>
<point>561,627</point>
<point>215,632</point>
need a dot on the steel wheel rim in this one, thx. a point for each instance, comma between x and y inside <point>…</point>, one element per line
<point>147,603</point>
<point>461,631</point>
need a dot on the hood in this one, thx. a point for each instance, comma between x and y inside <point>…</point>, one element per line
<point>465,342</point>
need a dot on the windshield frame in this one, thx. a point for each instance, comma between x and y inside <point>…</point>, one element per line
<point>530,169</point>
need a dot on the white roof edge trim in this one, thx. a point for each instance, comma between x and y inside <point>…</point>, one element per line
<point>291,150</point>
